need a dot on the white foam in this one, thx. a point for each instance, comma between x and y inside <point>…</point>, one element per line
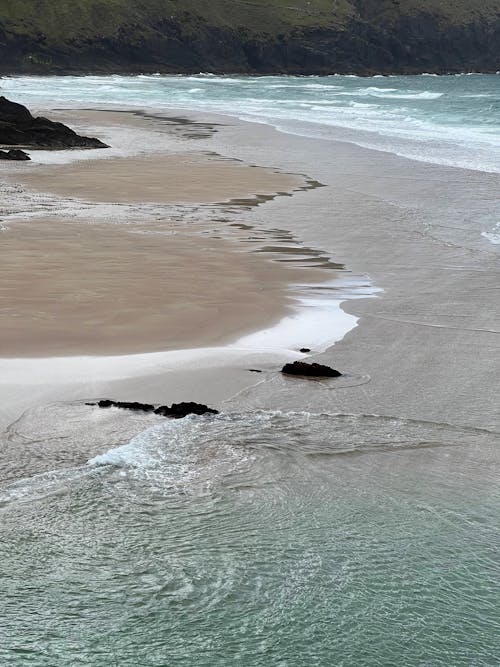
<point>425,95</point>
<point>318,319</point>
<point>134,453</point>
<point>493,236</point>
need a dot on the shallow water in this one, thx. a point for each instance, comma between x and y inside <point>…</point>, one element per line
<point>452,120</point>
<point>259,539</point>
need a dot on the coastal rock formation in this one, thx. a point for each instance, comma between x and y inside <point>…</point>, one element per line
<point>176,410</point>
<point>14,154</point>
<point>125,405</point>
<point>263,36</point>
<point>179,410</point>
<point>19,128</point>
<point>309,370</point>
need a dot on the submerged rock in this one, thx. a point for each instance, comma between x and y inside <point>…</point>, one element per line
<point>19,128</point>
<point>14,154</point>
<point>176,411</point>
<point>126,405</point>
<point>310,370</point>
<point>179,410</point>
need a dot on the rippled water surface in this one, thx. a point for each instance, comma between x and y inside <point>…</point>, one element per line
<point>452,120</point>
<point>259,539</point>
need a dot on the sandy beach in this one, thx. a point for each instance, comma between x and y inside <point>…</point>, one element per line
<point>141,254</point>
<point>159,279</point>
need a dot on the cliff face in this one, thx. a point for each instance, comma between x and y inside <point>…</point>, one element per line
<point>249,36</point>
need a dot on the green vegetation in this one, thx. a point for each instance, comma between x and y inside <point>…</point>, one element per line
<point>246,35</point>
<point>66,18</point>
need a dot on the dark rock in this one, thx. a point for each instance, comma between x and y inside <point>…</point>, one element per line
<point>254,370</point>
<point>126,405</point>
<point>14,154</point>
<point>305,349</point>
<point>179,410</point>
<point>19,128</point>
<point>309,370</point>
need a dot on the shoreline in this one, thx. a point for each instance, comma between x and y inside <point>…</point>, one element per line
<point>407,370</point>
<point>126,71</point>
<point>309,315</point>
<point>195,271</point>
<point>296,271</point>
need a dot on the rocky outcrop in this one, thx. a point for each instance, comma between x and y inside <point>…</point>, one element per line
<point>125,405</point>
<point>176,410</point>
<point>179,410</point>
<point>310,370</point>
<point>19,128</point>
<point>14,154</point>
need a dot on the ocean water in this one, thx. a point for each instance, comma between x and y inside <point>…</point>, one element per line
<point>259,538</point>
<point>452,120</point>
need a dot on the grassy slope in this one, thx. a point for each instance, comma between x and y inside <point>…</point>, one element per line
<point>63,19</point>
<point>69,18</point>
<point>458,12</point>
<point>56,25</point>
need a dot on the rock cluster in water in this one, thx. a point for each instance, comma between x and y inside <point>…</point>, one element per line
<point>14,154</point>
<point>19,128</point>
<point>310,370</point>
<point>176,410</point>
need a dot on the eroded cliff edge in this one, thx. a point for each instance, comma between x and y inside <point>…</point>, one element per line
<point>249,36</point>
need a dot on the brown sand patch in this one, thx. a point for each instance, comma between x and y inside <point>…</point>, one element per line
<point>162,178</point>
<point>71,288</point>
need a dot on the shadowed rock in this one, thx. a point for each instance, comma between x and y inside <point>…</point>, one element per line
<point>14,154</point>
<point>19,128</point>
<point>126,405</point>
<point>176,411</point>
<point>179,410</point>
<point>309,370</point>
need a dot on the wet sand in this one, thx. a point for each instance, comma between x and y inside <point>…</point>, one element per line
<point>115,283</point>
<point>429,343</point>
<point>74,288</point>
<point>196,178</point>
<point>109,280</point>
<point>426,348</point>
<point>159,167</point>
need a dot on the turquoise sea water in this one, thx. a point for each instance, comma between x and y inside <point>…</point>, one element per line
<point>452,120</point>
<point>259,539</point>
